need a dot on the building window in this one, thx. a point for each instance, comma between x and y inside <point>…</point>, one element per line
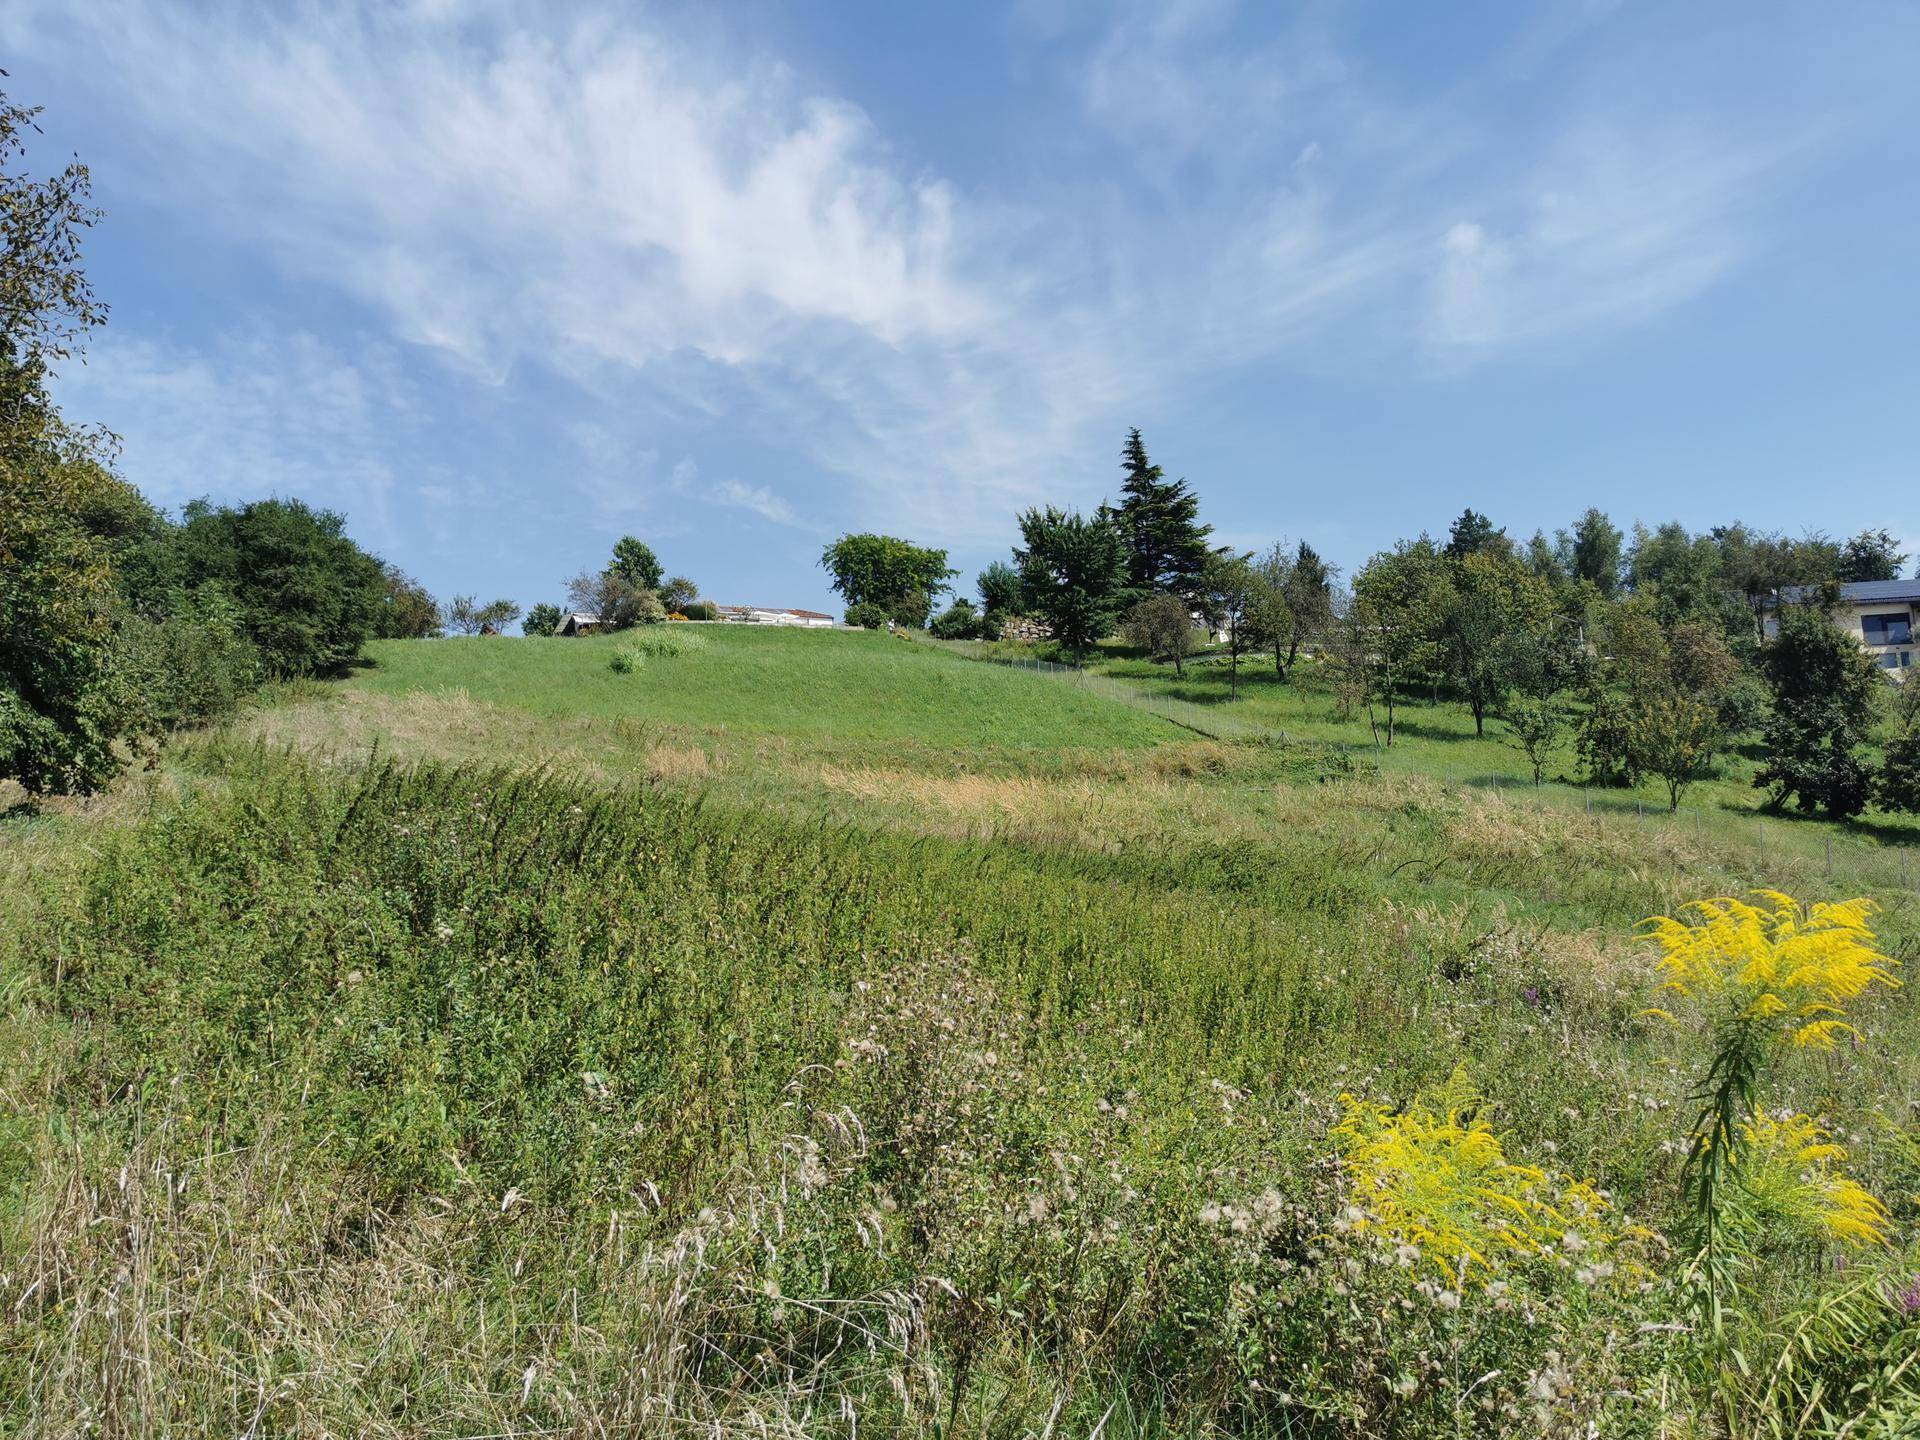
<point>1887,629</point>
<point>1889,661</point>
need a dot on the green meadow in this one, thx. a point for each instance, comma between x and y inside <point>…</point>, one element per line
<point>823,1034</point>
<point>841,688</point>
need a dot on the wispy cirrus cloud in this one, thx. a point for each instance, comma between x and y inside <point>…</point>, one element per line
<point>289,414</point>
<point>652,215</point>
<point>1613,229</point>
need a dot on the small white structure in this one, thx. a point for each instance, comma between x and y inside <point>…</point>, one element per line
<point>766,615</point>
<point>578,623</point>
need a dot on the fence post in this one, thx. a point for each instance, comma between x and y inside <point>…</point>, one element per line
<point>1829,857</point>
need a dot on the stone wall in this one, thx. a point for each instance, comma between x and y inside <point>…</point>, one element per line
<point>1024,630</point>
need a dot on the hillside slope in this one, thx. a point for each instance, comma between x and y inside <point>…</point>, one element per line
<point>838,685</point>
<point>812,1074</point>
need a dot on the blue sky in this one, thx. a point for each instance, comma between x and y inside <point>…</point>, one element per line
<point>504,281</point>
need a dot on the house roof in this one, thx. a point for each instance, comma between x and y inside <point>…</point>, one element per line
<point>771,610</point>
<point>1860,592</point>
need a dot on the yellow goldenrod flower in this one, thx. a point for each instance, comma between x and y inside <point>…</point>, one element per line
<point>1435,1177</point>
<point>1775,960</point>
<point>1789,1168</point>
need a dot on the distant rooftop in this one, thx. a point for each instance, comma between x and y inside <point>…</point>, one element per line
<point>1862,592</point>
<point>771,610</point>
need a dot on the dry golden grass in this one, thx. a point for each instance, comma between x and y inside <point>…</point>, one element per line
<point>678,764</point>
<point>1033,809</point>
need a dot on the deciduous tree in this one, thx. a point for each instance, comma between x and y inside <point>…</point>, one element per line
<point>66,698</point>
<point>1871,555</point>
<point>634,561</point>
<point>1073,571</point>
<point>1270,622</point>
<point>408,611</point>
<point>677,592</point>
<point>1393,620</point>
<point>1823,686</point>
<point>1228,596</point>
<point>1309,597</point>
<point>66,702</point>
<point>1592,551</point>
<point>1676,736</point>
<point>612,598</point>
<point>959,621</point>
<point>902,578</point>
<point>1163,626</point>
<point>1479,602</point>
<point>309,597</point>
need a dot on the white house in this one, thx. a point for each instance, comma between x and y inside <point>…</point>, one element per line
<point>1880,614</point>
<point>766,615</point>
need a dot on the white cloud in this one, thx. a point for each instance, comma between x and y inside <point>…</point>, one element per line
<point>500,190</point>
<point>1616,230</point>
<point>505,183</point>
<point>757,499</point>
<point>732,494</point>
<point>284,415</point>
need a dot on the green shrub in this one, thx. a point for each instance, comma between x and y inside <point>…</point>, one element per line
<point>308,596</point>
<point>67,704</point>
<point>959,621</point>
<point>867,615</point>
<point>408,612</point>
<point>647,609</point>
<point>700,610</point>
<point>195,664</point>
<point>623,661</point>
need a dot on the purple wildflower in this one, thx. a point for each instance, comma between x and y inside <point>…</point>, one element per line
<point>1907,1301</point>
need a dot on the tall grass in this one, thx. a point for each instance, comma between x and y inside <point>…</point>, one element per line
<point>393,1098</point>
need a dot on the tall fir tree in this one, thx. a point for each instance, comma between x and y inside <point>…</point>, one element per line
<point>1159,519</point>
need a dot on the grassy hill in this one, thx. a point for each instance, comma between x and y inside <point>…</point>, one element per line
<point>829,1035</point>
<point>842,686</point>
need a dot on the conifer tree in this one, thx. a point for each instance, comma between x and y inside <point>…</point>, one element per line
<point>1159,520</point>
